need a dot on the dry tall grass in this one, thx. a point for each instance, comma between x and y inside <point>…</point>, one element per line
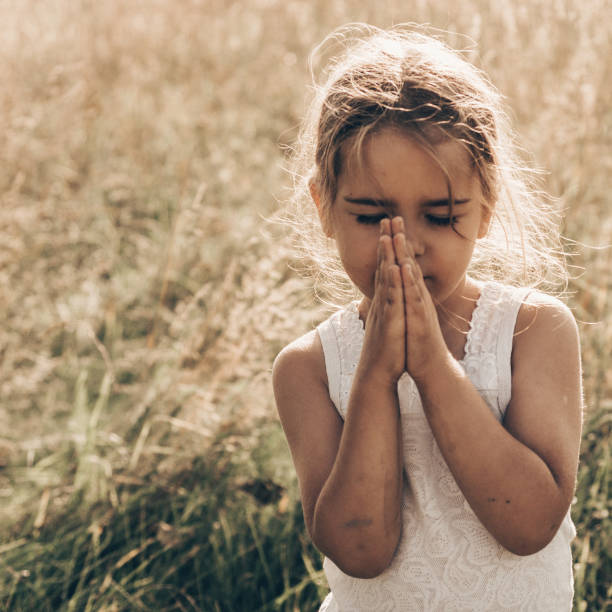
<point>144,297</point>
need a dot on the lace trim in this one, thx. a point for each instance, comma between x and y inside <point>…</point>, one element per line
<point>350,332</point>
<point>482,327</point>
<point>351,329</point>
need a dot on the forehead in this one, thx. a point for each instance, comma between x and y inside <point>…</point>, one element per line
<point>392,156</point>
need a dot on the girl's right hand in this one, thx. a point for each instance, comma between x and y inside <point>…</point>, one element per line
<point>383,353</point>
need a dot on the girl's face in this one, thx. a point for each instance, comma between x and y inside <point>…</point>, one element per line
<point>400,178</point>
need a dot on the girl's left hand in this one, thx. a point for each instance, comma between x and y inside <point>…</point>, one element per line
<point>425,345</point>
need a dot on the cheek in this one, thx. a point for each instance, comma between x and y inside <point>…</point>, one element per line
<point>359,262</point>
<point>455,257</point>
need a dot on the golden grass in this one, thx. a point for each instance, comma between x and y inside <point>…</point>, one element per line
<point>143,296</point>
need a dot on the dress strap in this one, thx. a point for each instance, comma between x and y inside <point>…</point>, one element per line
<point>514,300</point>
<point>331,351</point>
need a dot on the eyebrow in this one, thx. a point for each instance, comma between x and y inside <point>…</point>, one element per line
<point>386,203</point>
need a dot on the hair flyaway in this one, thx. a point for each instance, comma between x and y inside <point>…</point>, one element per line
<point>365,80</point>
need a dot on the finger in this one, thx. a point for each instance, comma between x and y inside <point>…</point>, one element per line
<point>394,290</point>
<point>401,248</point>
<point>410,283</point>
<point>397,225</point>
<point>395,277</point>
<point>386,256</point>
<point>390,289</point>
<point>417,274</point>
<point>409,249</point>
<point>389,249</point>
<point>399,239</point>
<point>380,256</point>
<point>385,226</point>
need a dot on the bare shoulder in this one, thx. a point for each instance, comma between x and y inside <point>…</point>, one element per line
<point>543,322</point>
<point>300,361</point>
<point>546,341</point>
<point>301,388</point>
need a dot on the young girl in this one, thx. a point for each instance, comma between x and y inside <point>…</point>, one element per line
<point>435,423</point>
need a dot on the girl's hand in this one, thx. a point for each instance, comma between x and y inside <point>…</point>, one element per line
<point>425,346</point>
<point>383,353</point>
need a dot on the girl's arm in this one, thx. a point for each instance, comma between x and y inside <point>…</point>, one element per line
<point>350,474</point>
<point>518,477</point>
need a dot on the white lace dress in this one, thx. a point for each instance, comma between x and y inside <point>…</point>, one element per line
<point>446,560</point>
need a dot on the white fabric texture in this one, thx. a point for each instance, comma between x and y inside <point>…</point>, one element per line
<point>446,560</point>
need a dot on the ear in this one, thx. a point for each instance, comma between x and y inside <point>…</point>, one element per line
<point>323,218</point>
<point>485,220</point>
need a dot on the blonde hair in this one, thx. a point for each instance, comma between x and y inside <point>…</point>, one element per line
<point>409,80</point>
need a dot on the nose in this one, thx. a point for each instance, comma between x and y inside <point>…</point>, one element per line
<point>413,236</point>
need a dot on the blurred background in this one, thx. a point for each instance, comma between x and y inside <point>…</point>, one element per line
<point>144,296</point>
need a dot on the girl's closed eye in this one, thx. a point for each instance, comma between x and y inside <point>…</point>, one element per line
<point>441,221</point>
<point>370,219</point>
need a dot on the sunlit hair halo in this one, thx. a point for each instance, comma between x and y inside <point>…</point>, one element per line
<point>407,79</point>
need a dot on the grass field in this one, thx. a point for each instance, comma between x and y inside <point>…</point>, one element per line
<point>144,297</point>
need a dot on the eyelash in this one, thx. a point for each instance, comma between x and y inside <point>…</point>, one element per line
<point>375,219</point>
<point>442,221</point>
